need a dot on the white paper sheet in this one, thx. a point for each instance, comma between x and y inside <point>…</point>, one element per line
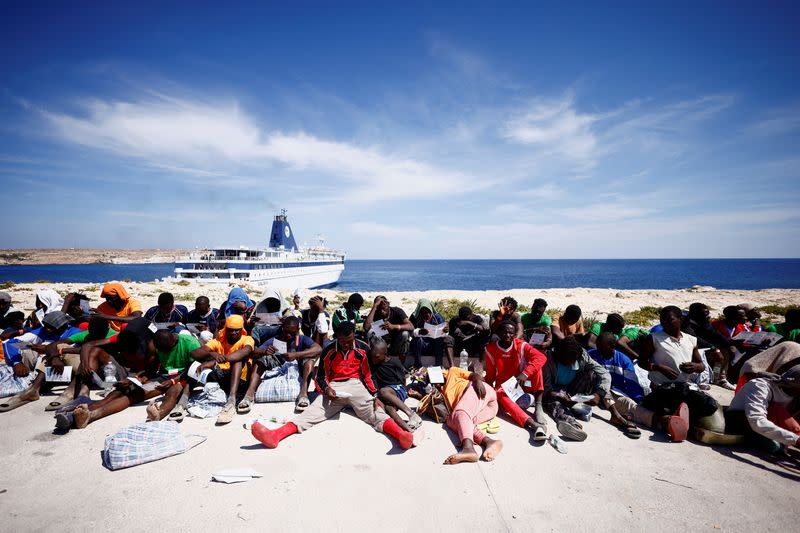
<point>435,330</point>
<point>537,338</point>
<point>435,374</point>
<point>64,377</point>
<point>377,329</point>
<point>512,388</point>
<point>280,346</point>
<point>198,373</point>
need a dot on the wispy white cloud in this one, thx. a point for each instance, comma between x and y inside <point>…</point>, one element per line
<point>206,139</point>
<point>555,126</point>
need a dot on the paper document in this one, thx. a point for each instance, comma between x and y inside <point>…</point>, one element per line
<point>198,373</point>
<point>377,329</point>
<point>235,475</point>
<point>435,374</point>
<point>435,330</point>
<point>136,382</point>
<point>512,388</point>
<point>85,307</point>
<point>581,398</point>
<point>64,377</point>
<point>537,339</point>
<point>755,338</point>
<point>280,346</point>
<point>152,327</point>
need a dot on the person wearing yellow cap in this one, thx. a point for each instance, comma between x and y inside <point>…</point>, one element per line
<point>230,354</point>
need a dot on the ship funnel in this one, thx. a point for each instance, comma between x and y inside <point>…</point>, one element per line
<point>281,235</point>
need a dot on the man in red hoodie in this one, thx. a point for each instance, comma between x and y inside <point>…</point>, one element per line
<point>344,378</point>
<point>510,357</point>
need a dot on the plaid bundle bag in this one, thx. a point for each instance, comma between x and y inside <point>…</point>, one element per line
<point>280,384</point>
<point>11,384</point>
<point>144,442</point>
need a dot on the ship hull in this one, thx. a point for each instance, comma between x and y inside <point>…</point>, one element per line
<point>307,276</point>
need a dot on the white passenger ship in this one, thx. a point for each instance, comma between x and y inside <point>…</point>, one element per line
<point>283,265</point>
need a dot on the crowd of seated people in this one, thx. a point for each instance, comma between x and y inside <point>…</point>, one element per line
<point>527,366</point>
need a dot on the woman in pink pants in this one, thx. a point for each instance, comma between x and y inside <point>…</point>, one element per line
<point>471,402</point>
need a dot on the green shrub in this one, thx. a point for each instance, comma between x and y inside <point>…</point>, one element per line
<point>645,316</point>
<point>777,310</point>
<point>7,284</point>
<point>43,281</point>
<point>589,320</point>
<point>183,283</point>
<point>449,308</point>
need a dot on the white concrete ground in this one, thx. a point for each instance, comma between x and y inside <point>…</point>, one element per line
<point>342,476</point>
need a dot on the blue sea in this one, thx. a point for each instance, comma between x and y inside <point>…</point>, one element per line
<point>409,275</point>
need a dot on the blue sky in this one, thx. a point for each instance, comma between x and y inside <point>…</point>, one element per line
<point>411,130</point>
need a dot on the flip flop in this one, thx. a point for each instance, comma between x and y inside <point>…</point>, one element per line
<point>12,403</point>
<point>177,414</point>
<point>631,431</point>
<point>492,426</point>
<point>244,406</point>
<point>64,421</point>
<point>57,404</point>
<point>301,404</point>
<point>539,434</point>
<point>72,404</point>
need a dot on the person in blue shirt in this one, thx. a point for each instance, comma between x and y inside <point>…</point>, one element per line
<point>166,311</point>
<point>203,316</point>
<point>299,347</point>
<point>22,353</point>
<point>619,365</point>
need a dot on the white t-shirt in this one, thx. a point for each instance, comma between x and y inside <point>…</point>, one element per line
<point>672,352</point>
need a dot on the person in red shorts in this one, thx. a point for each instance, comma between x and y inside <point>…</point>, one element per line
<point>510,357</point>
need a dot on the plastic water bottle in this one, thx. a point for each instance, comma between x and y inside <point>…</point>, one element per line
<point>463,359</point>
<point>557,443</point>
<point>110,377</point>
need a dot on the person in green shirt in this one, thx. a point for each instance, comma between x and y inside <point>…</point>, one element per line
<point>790,328</point>
<point>165,374</point>
<point>626,337</point>
<point>350,311</point>
<point>537,322</point>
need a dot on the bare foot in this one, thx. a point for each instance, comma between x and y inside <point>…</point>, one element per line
<point>29,395</point>
<point>82,415</point>
<point>492,448</point>
<point>462,457</point>
<point>153,412</point>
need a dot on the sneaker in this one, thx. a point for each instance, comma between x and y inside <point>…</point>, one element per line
<point>570,431</point>
<point>725,384</point>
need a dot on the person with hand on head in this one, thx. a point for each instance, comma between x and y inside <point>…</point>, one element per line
<point>396,324</point>
<point>315,321</point>
<point>507,310</point>
<point>350,311</point>
<point>345,380</point>
<point>389,377</point>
